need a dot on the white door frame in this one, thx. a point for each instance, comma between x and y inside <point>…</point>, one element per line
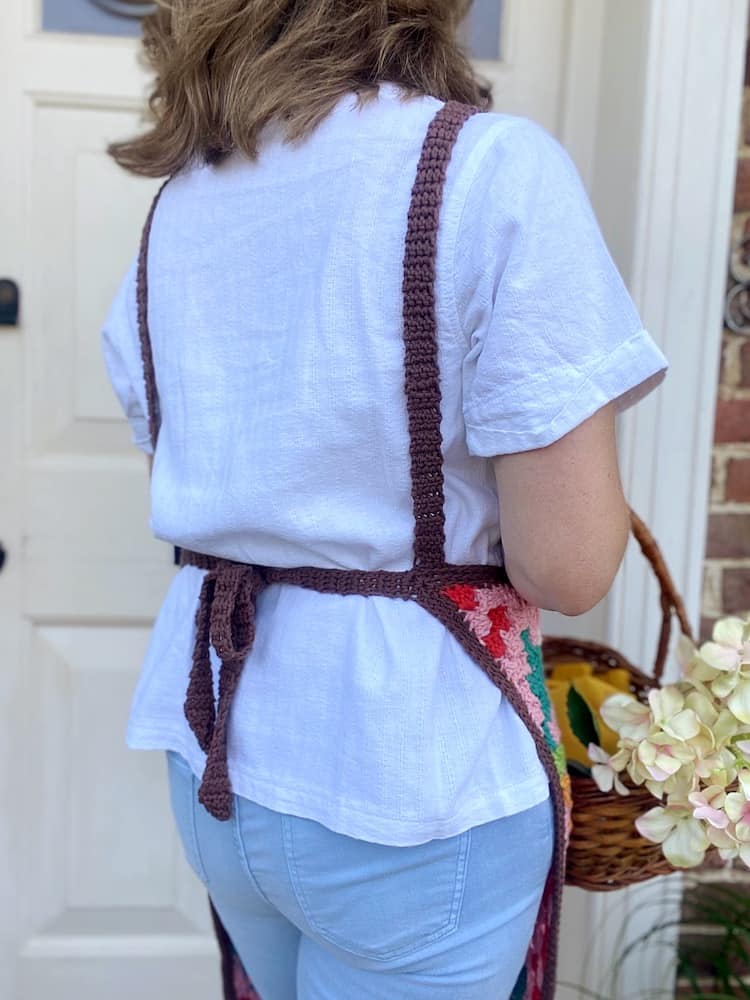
<point>669,103</point>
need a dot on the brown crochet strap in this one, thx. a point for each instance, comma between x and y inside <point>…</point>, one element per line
<point>421,370</point>
<point>147,357</point>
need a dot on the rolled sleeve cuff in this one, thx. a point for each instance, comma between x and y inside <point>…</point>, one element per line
<point>627,375</point>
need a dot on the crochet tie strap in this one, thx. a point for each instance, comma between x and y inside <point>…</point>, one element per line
<point>226,621</point>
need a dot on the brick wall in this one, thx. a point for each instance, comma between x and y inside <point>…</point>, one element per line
<point>727,562</point>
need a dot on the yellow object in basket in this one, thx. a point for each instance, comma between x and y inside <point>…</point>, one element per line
<point>592,689</point>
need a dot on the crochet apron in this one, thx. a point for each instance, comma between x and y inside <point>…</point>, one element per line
<point>476,603</point>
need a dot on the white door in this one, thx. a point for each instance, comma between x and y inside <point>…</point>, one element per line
<point>98,903</point>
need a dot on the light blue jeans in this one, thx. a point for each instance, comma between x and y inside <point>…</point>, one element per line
<point>315,915</point>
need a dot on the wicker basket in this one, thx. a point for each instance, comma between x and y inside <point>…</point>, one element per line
<point>606,851</point>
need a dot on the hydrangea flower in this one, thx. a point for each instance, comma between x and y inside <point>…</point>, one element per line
<point>729,655</point>
<point>603,772</point>
<point>689,744</point>
<point>683,839</point>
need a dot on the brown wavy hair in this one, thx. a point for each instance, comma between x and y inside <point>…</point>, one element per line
<point>227,68</point>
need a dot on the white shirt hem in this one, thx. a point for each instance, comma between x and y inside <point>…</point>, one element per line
<point>353,822</point>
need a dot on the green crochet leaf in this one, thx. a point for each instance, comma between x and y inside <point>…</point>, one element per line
<point>581,718</point>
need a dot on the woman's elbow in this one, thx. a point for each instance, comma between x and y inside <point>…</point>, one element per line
<point>571,582</point>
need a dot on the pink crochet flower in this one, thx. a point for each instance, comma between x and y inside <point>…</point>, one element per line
<point>499,616</point>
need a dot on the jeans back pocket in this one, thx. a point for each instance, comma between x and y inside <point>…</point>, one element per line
<point>372,900</point>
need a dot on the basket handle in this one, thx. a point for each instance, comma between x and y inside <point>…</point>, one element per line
<point>670,600</point>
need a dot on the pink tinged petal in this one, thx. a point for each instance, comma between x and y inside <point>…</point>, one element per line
<point>619,760</point>
<point>734,806</point>
<point>742,829</point>
<point>685,651</point>
<point>739,701</point>
<point>721,838</point>
<point>744,780</point>
<point>646,752</point>
<point>724,684</point>
<point>637,730</point>
<point>656,824</point>
<point>719,657</point>
<point>700,703</point>
<point>712,763</point>
<point>699,672</point>
<point>636,772</point>
<point>686,846</point>
<point>657,773</point>
<point>623,710</point>
<point>603,776</point>
<point>715,817</point>
<point>722,777</point>
<point>684,725</point>
<point>597,754</point>
<point>665,702</point>
<point>679,786</point>
<point>656,788</point>
<point>702,744</point>
<point>729,631</point>
<point>620,788</point>
<point>667,762</point>
<point>709,794</point>
<point>725,726</point>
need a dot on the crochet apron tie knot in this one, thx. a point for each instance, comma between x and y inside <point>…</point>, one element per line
<point>226,621</point>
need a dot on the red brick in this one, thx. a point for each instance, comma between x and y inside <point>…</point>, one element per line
<point>735,590</point>
<point>728,536</point>
<point>745,365</point>
<point>742,185</point>
<point>732,421</point>
<point>738,480</point>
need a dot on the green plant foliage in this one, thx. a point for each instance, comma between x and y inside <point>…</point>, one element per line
<point>713,954</point>
<point>581,718</point>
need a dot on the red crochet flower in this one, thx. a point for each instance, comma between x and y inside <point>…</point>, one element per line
<point>463,596</point>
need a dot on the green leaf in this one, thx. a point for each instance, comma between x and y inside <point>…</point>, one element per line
<point>581,718</point>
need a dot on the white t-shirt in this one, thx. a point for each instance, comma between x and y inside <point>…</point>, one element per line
<point>275,315</point>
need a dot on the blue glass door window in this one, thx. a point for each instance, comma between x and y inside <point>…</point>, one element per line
<point>122,17</point>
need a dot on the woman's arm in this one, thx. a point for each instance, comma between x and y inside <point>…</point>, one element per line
<point>564,518</point>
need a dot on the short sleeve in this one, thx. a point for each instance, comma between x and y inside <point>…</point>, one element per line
<point>122,356</point>
<point>552,333</point>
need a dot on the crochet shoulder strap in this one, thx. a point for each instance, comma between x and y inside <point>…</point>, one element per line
<point>421,369</point>
<point>144,334</point>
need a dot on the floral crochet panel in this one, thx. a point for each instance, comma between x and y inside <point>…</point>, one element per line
<point>508,627</point>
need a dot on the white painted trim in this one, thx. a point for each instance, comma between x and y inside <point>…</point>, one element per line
<point>690,115</point>
<point>579,94</point>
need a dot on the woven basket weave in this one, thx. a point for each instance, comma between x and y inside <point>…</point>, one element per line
<point>606,851</point>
